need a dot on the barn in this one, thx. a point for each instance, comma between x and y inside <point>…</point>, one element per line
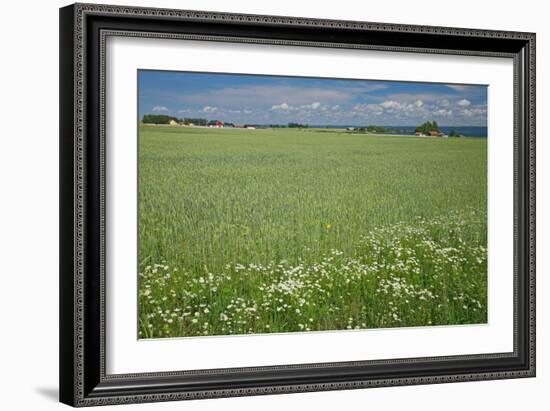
<point>215,123</point>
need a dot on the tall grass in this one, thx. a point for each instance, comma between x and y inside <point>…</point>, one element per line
<point>247,231</point>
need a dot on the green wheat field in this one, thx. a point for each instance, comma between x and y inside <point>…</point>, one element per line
<point>285,230</point>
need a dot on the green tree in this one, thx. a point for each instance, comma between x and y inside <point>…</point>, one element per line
<point>196,121</point>
<point>427,127</point>
<point>158,119</point>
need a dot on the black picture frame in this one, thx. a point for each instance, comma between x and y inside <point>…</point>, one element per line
<point>83,29</point>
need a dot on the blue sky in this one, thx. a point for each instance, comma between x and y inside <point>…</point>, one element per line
<point>279,100</point>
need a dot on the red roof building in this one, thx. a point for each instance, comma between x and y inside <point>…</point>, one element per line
<point>216,123</point>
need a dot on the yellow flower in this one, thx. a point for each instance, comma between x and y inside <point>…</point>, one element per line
<point>328,226</point>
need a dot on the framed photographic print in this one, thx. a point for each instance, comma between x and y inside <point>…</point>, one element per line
<point>262,204</point>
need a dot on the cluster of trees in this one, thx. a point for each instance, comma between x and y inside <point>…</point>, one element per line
<point>373,129</point>
<point>453,133</point>
<point>289,125</point>
<point>195,121</point>
<point>158,119</point>
<point>376,129</point>
<point>426,127</point>
<point>165,119</point>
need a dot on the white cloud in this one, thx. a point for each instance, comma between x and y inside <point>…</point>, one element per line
<point>209,109</point>
<point>282,106</point>
<point>391,104</point>
<point>374,107</point>
<point>426,97</point>
<point>464,103</point>
<point>160,109</point>
<point>474,111</point>
<point>364,108</point>
<point>315,105</point>
<point>443,113</point>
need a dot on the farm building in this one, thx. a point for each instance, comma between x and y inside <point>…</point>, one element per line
<point>215,123</point>
<point>430,134</point>
<point>173,123</point>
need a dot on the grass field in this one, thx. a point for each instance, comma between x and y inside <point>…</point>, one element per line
<point>279,230</point>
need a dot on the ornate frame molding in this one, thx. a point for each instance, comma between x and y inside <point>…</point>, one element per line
<point>83,378</point>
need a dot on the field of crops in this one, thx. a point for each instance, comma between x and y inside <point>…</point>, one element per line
<point>284,230</point>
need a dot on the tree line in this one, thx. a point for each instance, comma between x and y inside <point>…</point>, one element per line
<point>165,119</point>
<point>373,129</point>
